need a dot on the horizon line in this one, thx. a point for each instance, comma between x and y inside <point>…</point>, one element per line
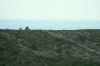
<point>46,20</point>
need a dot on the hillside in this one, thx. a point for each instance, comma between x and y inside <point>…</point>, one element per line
<point>49,47</point>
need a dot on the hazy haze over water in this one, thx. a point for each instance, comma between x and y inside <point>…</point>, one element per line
<point>50,14</point>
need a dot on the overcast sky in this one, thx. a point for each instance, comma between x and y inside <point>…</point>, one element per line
<point>59,10</point>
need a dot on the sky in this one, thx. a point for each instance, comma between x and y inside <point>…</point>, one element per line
<point>46,14</point>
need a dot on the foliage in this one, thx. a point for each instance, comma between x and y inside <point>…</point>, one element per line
<point>16,48</point>
<point>2,48</point>
<point>81,37</point>
<point>33,47</point>
<point>14,51</point>
<point>27,28</point>
<point>59,50</point>
<point>20,28</point>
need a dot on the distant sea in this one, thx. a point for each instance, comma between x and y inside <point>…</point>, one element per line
<point>49,24</point>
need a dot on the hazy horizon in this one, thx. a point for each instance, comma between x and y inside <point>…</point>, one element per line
<point>49,24</point>
<point>50,14</point>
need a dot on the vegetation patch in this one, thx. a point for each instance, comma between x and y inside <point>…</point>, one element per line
<point>16,48</point>
<point>33,47</point>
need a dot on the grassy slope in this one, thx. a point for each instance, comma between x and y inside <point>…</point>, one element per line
<point>38,48</point>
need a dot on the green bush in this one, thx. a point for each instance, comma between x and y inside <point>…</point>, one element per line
<point>82,37</point>
<point>1,48</point>
<point>15,52</point>
<point>33,47</point>
<point>58,39</point>
<point>45,36</point>
<point>59,50</point>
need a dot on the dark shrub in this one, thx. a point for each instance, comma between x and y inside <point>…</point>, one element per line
<point>27,28</point>
<point>59,50</point>
<point>33,47</point>
<point>82,37</point>
<point>15,52</point>
<point>1,48</point>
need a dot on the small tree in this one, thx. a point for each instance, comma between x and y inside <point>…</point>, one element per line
<point>27,28</point>
<point>20,28</point>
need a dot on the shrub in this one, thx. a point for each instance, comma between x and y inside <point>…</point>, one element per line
<point>59,50</point>
<point>20,28</point>
<point>82,37</point>
<point>27,28</point>
<point>58,39</point>
<point>59,44</point>
<point>33,47</point>
<point>15,52</point>
<point>1,48</point>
